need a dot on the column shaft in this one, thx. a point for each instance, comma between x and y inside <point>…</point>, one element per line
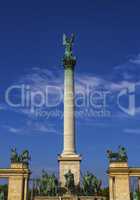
<point>25,188</point>
<point>69,118</point>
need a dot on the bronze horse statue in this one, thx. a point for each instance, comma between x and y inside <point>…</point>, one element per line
<point>24,157</point>
<point>120,156</point>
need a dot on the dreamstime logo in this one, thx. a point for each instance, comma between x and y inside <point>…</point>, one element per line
<point>130,94</point>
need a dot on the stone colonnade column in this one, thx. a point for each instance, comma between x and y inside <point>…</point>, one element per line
<point>18,182</point>
<point>139,184</point>
<point>26,188</point>
<point>119,186</point>
<point>112,187</point>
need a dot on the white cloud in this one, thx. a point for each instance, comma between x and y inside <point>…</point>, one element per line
<point>38,78</point>
<point>31,127</point>
<point>132,131</point>
<point>135,60</point>
<point>89,80</point>
<point>11,129</point>
<point>129,70</point>
<point>14,130</point>
<point>120,85</point>
<point>138,110</point>
<point>3,107</point>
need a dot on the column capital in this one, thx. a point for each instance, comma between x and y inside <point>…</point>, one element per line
<point>69,62</point>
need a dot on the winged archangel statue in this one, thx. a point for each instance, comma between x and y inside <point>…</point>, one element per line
<point>68,43</point>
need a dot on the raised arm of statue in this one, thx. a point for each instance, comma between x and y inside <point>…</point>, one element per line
<point>64,39</point>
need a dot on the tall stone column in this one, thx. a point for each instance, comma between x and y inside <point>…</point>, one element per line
<point>69,159</point>
<point>69,121</point>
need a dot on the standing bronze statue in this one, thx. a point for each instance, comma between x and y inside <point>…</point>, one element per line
<point>87,184</point>
<point>14,156</point>
<point>91,185</point>
<point>47,185</point>
<point>70,184</point>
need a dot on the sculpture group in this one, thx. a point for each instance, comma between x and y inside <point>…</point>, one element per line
<point>120,156</point>
<point>23,158</point>
<point>48,185</point>
<point>91,185</point>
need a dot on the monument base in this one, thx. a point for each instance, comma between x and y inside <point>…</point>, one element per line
<point>69,162</point>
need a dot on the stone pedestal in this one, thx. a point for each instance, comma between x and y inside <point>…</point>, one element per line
<point>119,187</point>
<point>69,163</point>
<point>18,182</point>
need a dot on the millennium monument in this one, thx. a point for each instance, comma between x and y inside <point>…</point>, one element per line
<point>69,160</point>
<point>69,186</point>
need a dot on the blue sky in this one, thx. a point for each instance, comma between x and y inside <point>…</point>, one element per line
<point>107,48</point>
